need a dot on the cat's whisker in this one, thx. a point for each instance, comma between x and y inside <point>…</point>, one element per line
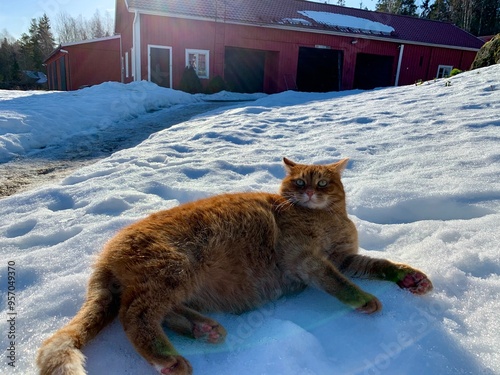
<point>284,205</point>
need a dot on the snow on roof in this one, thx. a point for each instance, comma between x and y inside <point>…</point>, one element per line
<point>296,21</point>
<point>342,20</point>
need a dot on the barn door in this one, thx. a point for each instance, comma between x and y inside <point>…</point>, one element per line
<point>160,65</point>
<point>244,69</point>
<point>319,69</point>
<point>373,71</point>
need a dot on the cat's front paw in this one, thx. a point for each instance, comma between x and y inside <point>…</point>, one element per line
<point>416,282</point>
<point>370,307</point>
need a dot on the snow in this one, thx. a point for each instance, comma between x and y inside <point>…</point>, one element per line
<point>296,21</point>
<point>423,188</point>
<point>35,121</point>
<point>342,20</point>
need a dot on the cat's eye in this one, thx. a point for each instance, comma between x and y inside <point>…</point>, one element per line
<point>322,183</point>
<point>300,183</point>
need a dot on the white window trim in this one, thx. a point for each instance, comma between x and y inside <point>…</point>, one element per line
<point>133,62</point>
<point>446,69</point>
<point>207,60</point>
<point>126,66</point>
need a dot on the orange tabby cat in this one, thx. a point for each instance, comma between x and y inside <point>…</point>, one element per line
<point>228,253</point>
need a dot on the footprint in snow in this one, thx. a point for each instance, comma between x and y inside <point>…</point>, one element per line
<point>60,202</point>
<point>110,206</point>
<point>51,239</point>
<point>20,229</point>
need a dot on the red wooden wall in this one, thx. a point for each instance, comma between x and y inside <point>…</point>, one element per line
<point>85,64</point>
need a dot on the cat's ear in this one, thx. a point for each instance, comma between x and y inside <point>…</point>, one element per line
<point>341,165</point>
<point>288,165</point>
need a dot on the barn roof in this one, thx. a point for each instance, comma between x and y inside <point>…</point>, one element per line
<point>81,42</point>
<point>317,17</point>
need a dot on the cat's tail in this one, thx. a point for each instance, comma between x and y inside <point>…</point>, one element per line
<point>60,354</point>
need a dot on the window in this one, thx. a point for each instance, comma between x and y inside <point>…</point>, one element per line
<point>444,71</point>
<point>198,59</point>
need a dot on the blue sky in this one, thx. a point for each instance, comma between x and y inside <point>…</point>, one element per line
<point>15,16</point>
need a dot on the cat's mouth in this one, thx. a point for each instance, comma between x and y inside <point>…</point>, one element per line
<point>315,205</point>
<point>312,202</point>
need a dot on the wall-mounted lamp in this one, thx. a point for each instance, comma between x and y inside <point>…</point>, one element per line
<point>354,41</point>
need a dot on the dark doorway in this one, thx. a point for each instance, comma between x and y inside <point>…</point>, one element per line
<point>244,69</point>
<point>62,69</point>
<point>373,71</point>
<point>160,66</point>
<point>319,69</point>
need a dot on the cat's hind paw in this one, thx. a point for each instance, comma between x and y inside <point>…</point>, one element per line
<point>416,282</point>
<point>211,333</point>
<point>176,365</point>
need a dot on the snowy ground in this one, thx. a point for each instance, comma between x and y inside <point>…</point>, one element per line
<point>52,162</point>
<point>423,188</point>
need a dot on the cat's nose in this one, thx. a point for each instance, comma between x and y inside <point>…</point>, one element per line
<point>310,192</point>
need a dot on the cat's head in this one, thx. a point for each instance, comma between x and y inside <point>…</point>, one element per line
<point>314,186</point>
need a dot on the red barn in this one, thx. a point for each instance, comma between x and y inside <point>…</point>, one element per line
<point>75,65</point>
<point>272,46</point>
<point>277,45</point>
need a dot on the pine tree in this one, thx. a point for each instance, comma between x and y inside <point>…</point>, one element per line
<point>462,13</point>
<point>25,53</point>
<point>440,11</point>
<point>388,6</point>
<point>45,37</point>
<point>486,19</point>
<point>426,8</point>
<point>5,68</point>
<point>479,17</point>
<point>34,46</point>
<point>404,7</point>
<point>190,82</point>
<point>408,8</point>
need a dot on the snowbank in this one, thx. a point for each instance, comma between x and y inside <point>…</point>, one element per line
<point>36,119</point>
